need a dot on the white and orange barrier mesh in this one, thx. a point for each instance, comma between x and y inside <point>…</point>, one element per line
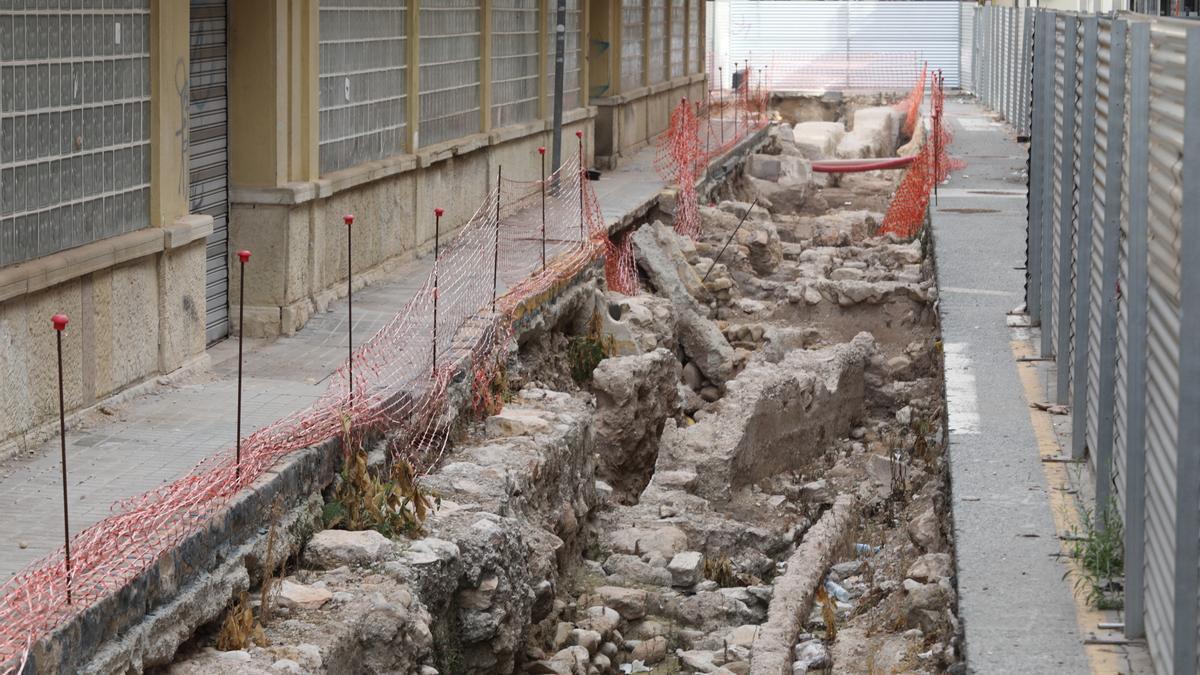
<point>906,213</point>
<point>397,385</point>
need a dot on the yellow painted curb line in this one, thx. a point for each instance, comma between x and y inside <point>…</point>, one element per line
<point>1103,659</point>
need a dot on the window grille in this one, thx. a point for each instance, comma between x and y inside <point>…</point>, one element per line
<point>514,61</point>
<point>631,44</point>
<point>450,56</point>
<point>678,46</point>
<point>696,57</point>
<point>364,77</point>
<point>658,41</point>
<point>74,124</point>
<point>571,60</point>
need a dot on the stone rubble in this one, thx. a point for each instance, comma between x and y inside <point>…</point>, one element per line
<point>766,425</point>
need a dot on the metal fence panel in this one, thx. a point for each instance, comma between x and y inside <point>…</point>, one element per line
<point>1068,209</point>
<point>1081,293</point>
<point>678,46</point>
<point>695,54</point>
<point>514,61</point>
<point>1132,320</point>
<point>1187,505</point>
<point>75,160</point>
<point>632,46</point>
<point>449,70</point>
<point>363,82</point>
<point>966,46</point>
<point>1110,147</point>
<point>659,43</point>
<point>1166,139</point>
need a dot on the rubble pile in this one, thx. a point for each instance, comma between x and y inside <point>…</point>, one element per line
<point>751,481</point>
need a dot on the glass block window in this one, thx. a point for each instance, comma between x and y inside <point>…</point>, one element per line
<point>364,77</point>
<point>450,47</point>
<point>632,44</point>
<point>74,124</point>
<point>678,33</point>
<point>658,41</point>
<point>696,58</point>
<point>514,61</point>
<point>571,60</point>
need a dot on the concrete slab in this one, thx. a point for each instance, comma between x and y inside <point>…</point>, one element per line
<point>1017,611</point>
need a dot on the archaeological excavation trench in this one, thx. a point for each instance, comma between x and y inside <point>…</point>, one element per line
<point>738,470</point>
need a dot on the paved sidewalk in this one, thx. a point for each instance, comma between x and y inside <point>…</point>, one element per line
<point>1017,611</point>
<point>156,438</point>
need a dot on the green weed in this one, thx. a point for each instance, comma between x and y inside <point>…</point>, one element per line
<point>1098,547</point>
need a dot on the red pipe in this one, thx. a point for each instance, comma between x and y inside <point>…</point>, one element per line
<point>858,165</point>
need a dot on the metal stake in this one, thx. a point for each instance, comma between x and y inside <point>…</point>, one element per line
<point>721,100</point>
<point>731,235</point>
<point>937,129</point>
<point>244,256</point>
<point>582,178</point>
<point>496,256</point>
<point>60,324</point>
<point>542,152</point>
<point>437,235</point>
<point>349,220</point>
<point>736,97</point>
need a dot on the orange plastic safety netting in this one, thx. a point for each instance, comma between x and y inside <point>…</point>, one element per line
<point>699,132</point>
<point>906,213</point>
<point>911,105</point>
<point>395,383</point>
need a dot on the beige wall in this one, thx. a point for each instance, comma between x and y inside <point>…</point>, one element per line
<point>136,301</point>
<point>299,239</point>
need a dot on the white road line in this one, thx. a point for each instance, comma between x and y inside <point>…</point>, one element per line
<point>974,291</point>
<point>961,401</point>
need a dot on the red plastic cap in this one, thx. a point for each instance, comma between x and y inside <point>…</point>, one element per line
<point>60,321</point>
<point>244,256</point>
<point>439,211</point>
<point>348,218</point>
<point>541,150</point>
<point>578,134</point>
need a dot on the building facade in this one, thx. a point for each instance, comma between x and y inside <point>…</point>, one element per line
<point>144,142</point>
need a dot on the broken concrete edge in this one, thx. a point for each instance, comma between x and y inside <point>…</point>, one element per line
<point>143,623</point>
<point>795,588</point>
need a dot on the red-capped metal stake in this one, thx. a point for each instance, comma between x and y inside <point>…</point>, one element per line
<point>582,179</point>
<point>60,324</point>
<point>437,233</point>
<point>737,90</point>
<point>707,127</point>
<point>542,152</point>
<point>243,256</point>
<point>721,99</point>
<point>348,219</point>
<point>496,249</point>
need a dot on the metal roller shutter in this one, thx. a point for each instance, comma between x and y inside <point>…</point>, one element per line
<point>1166,142</point>
<point>208,152</point>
